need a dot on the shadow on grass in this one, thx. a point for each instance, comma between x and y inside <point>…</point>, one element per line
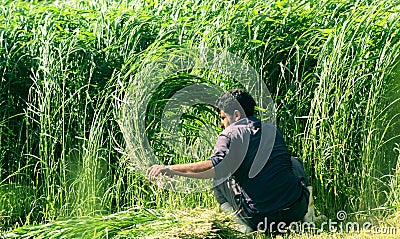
<point>225,229</point>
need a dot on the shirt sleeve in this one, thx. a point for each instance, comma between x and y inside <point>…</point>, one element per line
<point>229,152</point>
<point>221,148</point>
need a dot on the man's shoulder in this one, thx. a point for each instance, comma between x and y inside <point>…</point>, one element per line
<point>243,126</point>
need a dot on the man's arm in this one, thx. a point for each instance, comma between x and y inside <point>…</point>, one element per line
<point>201,170</point>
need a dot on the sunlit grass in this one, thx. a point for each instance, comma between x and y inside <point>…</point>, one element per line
<point>136,223</point>
<point>190,223</point>
<point>66,68</point>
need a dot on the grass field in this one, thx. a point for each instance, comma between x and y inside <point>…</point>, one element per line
<point>84,87</point>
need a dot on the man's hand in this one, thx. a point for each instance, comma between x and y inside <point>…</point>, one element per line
<point>156,170</point>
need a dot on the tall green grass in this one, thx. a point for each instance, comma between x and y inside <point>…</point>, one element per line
<point>67,66</point>
<point>344,132</point>
<point>391,146</point>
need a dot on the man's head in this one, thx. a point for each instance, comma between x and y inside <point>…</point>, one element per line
<point>234,105</point>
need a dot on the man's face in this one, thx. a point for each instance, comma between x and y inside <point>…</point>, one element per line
<point>225,122</point>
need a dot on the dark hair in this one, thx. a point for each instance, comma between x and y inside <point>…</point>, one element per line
<point>236,99</point>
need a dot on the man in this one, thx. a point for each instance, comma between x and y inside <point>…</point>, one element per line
<point>275,194</point>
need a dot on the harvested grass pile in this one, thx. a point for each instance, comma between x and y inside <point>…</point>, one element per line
<point>135,223</point>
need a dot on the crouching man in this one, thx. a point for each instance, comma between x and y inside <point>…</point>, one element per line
<point>255,177</point>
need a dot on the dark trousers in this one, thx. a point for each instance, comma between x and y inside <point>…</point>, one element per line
<point>229,191</point>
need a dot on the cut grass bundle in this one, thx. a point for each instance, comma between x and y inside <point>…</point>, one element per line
<point>89,227</point>
<point>135,223</point>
